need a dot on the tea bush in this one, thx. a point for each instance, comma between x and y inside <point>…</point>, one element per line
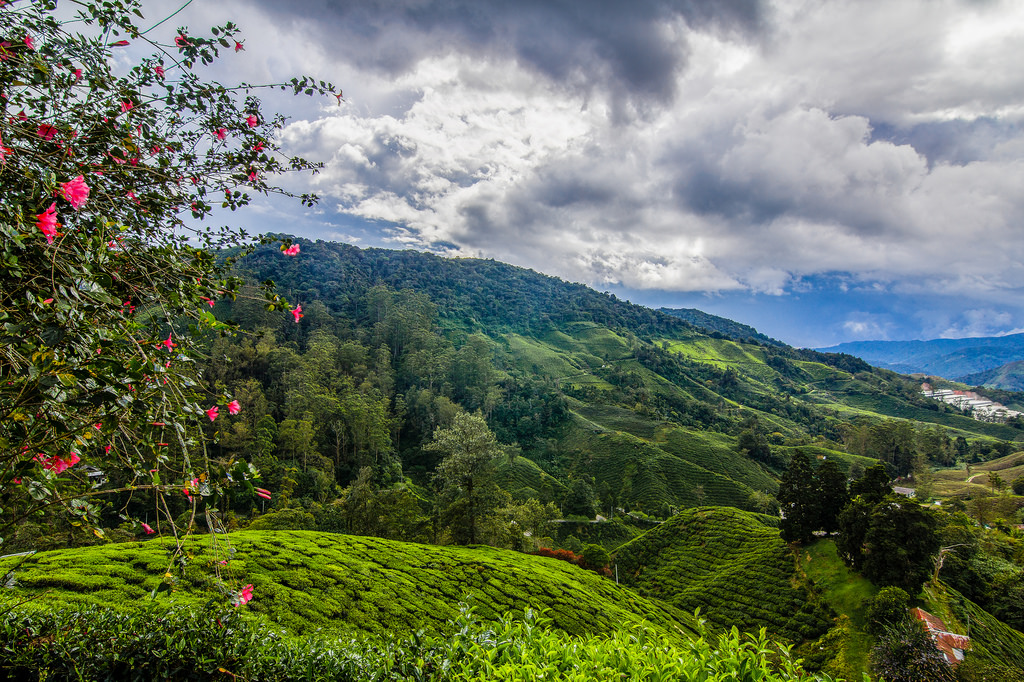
<point>96,643</point>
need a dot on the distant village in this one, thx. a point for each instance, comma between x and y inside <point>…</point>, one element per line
<point>980,407</point>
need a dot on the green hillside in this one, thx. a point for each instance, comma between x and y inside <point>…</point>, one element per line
<point>720,325</point>
<point>656,403</point>
<point>847,593</point>
<point>994,644</point>
<point>1008,377</point>
<point>457,401</point>
<point>730,564</point>
<point>974,480</point>
<point>343,584</point>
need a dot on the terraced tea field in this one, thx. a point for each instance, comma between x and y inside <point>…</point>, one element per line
<point>304,580</point>
<point>732,565</point>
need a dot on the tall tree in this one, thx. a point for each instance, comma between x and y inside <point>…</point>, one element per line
<point>466,472</point>
<point>579,501</point>
<point>798,497</point>
<point>874,485</point>
<point>831,496</point>
<point>901,543</point>
<point>906,653</point>
<point>853,524</point>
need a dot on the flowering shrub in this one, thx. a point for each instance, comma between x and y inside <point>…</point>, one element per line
<point>561,555</point>
<point>105,280</point>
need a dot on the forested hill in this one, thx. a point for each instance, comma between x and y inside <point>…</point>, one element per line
<point>471,294</point>
<point>1008,377</point>
<point>506,340</point>
<point>721,325</point>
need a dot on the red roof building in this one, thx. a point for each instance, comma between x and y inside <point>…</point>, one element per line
<point>949,643</point>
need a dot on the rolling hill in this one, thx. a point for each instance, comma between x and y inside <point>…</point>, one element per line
<point>1008,377</point>
<point>346,584</point>
<point>653,403</point>
<point>644,408</point>
<point>732,565</point>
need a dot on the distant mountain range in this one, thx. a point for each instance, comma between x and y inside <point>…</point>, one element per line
<point>994,361</point>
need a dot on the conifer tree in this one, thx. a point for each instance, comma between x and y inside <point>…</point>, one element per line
<point>831,496</point>
<point>798,497</point>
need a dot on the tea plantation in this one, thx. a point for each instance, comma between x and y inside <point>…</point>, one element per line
<point>304,581</point>
<point>732,565</point>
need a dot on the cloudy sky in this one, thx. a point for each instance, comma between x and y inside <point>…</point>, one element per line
<point>823,170</point>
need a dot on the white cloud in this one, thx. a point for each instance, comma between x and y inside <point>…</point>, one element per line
<point>979,322</point>
<point>866,327</point>
<point>751,160</point>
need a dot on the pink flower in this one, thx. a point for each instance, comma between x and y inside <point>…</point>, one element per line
<point>209,301</point>
<point>78,74</point>
<point>213,412</point>
<point>47,222</point>
<point>75,191</point>
<point>258,147</point>
<point>292,250</point>
<point>222,134</point>
<point>239,46</point>
<point>46,131</point>
<point>48,301</point>
<point>4,151</point>
<point>168,343</point>
<point>252,121</point>
<point>126,106</point>
<point>244,596</point>
<point>29,43</point>
<point>159,70</point>
<point>253,176</point>
<point>120,43</point>
<point>146,527</point>
<point>190,486</point>
<point>263,492</point>
<point>297,313</point>
<point>182,41</point>
<point>58,465</point>
<point>234,407</point>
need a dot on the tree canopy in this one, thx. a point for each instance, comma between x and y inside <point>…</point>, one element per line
<point>466,474</point>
